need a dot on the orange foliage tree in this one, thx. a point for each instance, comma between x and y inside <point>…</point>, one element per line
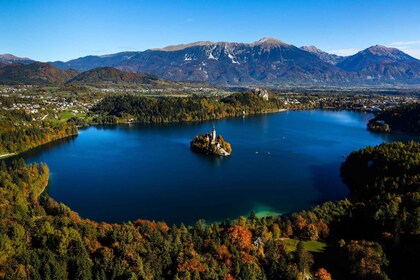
<point>240,236</point>
<point>322,274</point>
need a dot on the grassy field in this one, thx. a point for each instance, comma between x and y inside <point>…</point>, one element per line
<point>65,115</point>
<point>310,246</point>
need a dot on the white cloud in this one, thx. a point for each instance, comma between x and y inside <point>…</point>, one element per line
<point>406,43</point>
<point>414,52</point>
<point>344,52</point>
<point>410,47</point>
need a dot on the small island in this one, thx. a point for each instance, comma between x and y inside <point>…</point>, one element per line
<point>210,144</point>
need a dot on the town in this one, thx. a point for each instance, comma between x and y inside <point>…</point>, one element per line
<point>55,103</point>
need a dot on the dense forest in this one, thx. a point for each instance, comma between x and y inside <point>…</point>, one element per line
<point>19,132</point>
<point>374,234</point>
<point>405,118</point>
<point>142,109</point>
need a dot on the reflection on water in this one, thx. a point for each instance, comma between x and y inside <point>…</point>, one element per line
<point>119,173</point>
<point>40,150</point>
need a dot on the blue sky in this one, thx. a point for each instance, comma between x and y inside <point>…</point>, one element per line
<point>61,30</point>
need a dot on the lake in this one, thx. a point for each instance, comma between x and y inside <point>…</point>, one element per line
<point>280,163</point>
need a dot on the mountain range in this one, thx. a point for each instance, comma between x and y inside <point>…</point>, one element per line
<point>267,62</point>
<point>327,57</point>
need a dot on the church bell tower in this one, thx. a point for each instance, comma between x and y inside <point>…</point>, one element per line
<point>213,133</point>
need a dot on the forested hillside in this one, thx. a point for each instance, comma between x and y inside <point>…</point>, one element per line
<point>19,132</point>
<point>36,73</point>
<point>404,118</point>
<point>177,109</point>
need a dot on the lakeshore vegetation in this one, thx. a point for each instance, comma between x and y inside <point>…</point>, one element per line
<point>373,234</point>
<point>122,108</point>
<point>404,118</point>
<point>34,115</point>
<point>18,132</point>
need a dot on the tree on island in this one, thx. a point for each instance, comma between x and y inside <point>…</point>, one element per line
<point>211,144</point>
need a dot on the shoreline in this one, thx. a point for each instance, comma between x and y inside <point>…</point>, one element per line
<point>259,211</point>
<point>3,156</point>
<point>45,185</point>
<point>272,111</point>
<point>268,111</point>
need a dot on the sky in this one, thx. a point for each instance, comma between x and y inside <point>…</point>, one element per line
<point>48,30</point>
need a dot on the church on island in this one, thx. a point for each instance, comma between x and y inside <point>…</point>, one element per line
<point>210,143</point>
<point>212,136</point>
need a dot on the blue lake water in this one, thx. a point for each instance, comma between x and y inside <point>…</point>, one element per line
<point>128,172</point>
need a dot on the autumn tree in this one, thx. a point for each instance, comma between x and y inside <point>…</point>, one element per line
<point>240,236</point>
<point>304,258</point>
<point>322,274</point>
<point>366,259</point>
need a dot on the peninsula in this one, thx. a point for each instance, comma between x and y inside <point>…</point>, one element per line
<point>404,118</point>
<point>211,144</point>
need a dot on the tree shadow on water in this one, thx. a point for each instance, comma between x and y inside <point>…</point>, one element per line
<point>38,151</point>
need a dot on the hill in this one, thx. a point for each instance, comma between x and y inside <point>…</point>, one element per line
<point>403,73</point>
<point>376,55</point>
<point>141,109</point>
<point>404,118</point>
<point>380,65</point>
<point>36,73</point>
<point>9,59</point>
<point>108,76</point>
